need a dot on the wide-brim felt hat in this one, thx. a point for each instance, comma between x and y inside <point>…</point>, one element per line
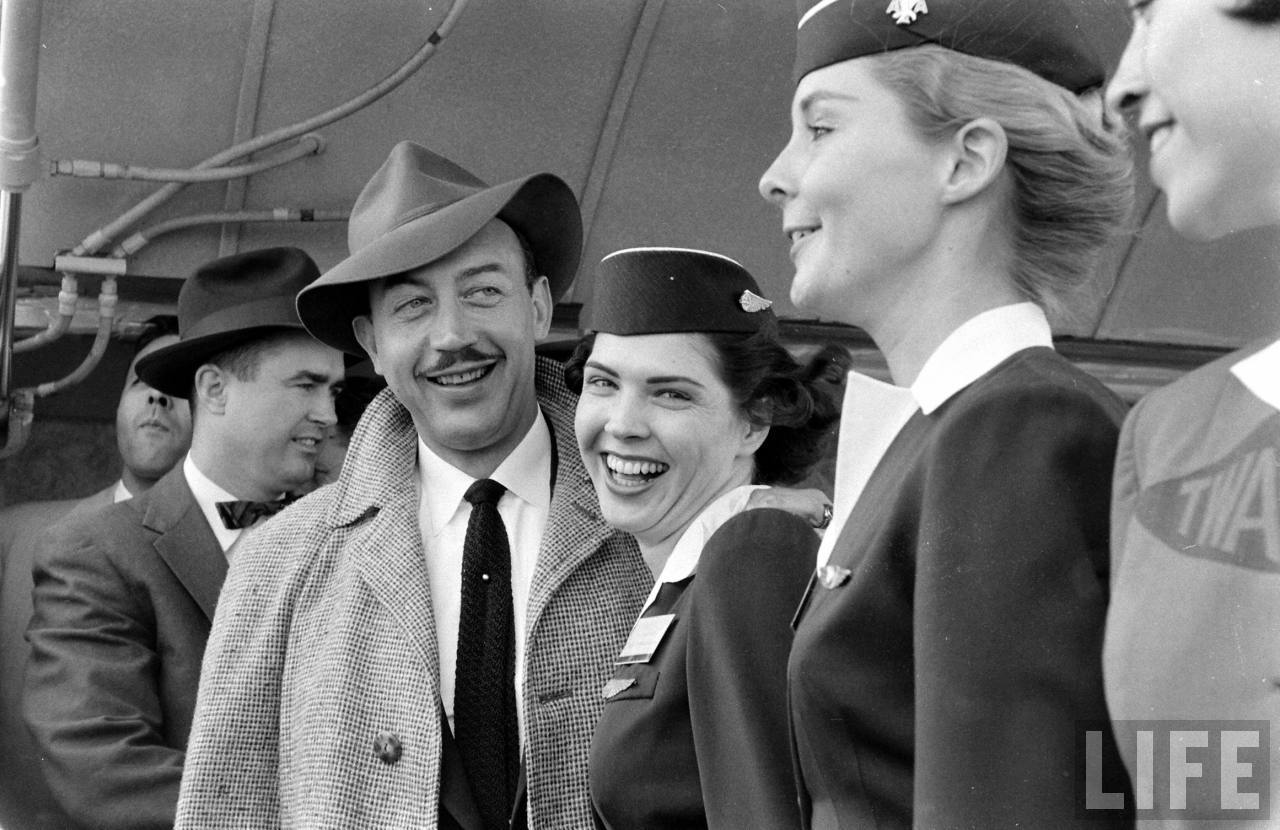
<point>657,290</point>
<point>1048,37</point>
<point>419,207</point>
<point>226,303</point>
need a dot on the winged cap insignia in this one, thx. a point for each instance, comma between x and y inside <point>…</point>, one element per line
<point>906,11</point>
<point>752,302</point>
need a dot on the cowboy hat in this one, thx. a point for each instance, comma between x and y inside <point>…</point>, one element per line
<point>226,303</point>
<point>419,207</point>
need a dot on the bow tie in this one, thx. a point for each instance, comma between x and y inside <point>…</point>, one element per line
<point>241,514</point>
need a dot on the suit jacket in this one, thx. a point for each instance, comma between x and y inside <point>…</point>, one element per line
<point>941,667</point>
<point>25,800</point>
<point>699,737</point>
<point>320,701</point>
<point>124,597</point>
<point>1193,631</point>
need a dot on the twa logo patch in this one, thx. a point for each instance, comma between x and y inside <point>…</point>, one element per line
<point>1229,512</point>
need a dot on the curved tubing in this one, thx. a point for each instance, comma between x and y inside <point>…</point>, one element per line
<point>308,145</point>
<point>101,237</point>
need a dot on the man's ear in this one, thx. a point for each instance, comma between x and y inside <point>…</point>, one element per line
<point>210,387</point>
<point>979,150</point>
<point>362,327</point>
<point>540,291</point>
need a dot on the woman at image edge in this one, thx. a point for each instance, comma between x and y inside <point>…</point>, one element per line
<point>688,404</point>
<point>950,650</point>
<point>1193,632</point>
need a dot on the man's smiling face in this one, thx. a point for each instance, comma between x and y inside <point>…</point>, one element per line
<point>455,341</point>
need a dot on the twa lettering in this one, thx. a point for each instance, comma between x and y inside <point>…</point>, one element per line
<point>1229,512</point>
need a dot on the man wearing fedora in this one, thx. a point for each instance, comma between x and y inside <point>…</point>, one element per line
<point>424,643</point>
<point>124,596</point>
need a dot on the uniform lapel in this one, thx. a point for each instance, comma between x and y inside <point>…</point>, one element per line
<point>186,542</point>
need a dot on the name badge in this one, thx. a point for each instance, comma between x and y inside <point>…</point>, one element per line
<point>645,638</point>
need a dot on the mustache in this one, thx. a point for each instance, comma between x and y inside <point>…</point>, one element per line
<point>447,360</point>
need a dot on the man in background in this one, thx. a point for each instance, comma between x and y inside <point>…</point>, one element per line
<point>124,596</point>
<point>153,431</point>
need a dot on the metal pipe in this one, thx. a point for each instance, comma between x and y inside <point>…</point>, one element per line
<point>104,235</point>
<point>135,242</point>
<point>19,63</point>
<point>308,145</point>
<point>59,325</point>
<point>10,216</point>
<point>19,167</point>
<point>107,298</point>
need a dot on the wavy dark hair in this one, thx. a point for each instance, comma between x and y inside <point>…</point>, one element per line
<point>798,401</point>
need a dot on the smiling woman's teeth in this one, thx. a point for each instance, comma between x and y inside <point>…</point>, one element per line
<point>640,469</point>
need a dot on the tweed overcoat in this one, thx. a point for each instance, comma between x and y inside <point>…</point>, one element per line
<point>124,599</point>
<point>320,700</point>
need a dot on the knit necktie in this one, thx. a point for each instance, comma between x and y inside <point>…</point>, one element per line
<point>240,514</point>
<point>484,701</point>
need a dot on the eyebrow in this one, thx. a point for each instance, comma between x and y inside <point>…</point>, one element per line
<point>412,278</point>
<point>314,377</point>
<point>653,381</point>
<point>819,96</point>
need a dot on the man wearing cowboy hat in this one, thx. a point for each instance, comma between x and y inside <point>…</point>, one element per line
<point>124,596</point>
<point>345,684</point>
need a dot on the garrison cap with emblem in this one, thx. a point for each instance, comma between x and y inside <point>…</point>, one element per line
<point>669,290</point>
<point>1047,37</point>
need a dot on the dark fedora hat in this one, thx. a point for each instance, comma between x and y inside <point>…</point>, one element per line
<point>674,290</point>
<point>419,207</point>
<point>1048,37</point>
<point>226,303</point>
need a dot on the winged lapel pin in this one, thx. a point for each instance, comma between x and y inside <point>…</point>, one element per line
<point>752,302</point>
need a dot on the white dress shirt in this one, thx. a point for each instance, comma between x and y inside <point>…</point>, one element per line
<point>121,493</point>
<point>1260,373</point>
<point>207,496</point>
<point>443,514</point>
<point>874,412</point>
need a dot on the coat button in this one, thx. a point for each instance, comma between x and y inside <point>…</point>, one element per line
<point>387,747</point>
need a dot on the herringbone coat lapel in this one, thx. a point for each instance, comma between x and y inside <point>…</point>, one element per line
<point>575,529</point>
<point>384,492</point>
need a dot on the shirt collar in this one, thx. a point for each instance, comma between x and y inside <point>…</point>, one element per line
<point>121,493</point>
<point>683,561</point>
<point>207,495</point>
<point>525,472</point>
<point>979,345</point>
<point>1260,373</point>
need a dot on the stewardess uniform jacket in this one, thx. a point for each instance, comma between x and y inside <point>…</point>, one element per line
<point>950,652</point>
<point>320,702</point>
